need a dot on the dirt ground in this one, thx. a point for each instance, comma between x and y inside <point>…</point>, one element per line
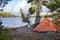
<point>36,36</point>
<point>29,35</point>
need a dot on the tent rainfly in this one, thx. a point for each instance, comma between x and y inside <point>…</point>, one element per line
<point>46,26</point>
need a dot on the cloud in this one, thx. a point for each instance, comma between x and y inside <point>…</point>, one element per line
<point>14,7</point>
<point>45,9</point>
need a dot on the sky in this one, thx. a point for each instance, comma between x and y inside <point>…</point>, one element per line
<point>14,7</point>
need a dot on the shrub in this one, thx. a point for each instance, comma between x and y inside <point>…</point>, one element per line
<point>5,34</point>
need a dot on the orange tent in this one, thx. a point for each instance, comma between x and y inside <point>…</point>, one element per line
<point>46,25</point>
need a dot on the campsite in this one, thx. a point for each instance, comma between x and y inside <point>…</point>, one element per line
<point>47,30</point>
<point>29,19</point>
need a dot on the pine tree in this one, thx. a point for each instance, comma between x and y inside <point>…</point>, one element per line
<point>1,25</point>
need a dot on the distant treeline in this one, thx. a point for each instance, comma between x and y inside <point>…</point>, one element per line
<point>7,14</point>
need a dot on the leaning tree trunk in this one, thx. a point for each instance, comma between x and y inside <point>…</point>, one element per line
<point>39,4</point>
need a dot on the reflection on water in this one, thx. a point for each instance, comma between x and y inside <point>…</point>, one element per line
<point>15,22</point>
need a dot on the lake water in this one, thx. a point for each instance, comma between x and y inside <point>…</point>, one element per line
<point>14,22</point>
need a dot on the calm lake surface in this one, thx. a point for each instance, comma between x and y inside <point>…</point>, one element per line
<point>14,22</point>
